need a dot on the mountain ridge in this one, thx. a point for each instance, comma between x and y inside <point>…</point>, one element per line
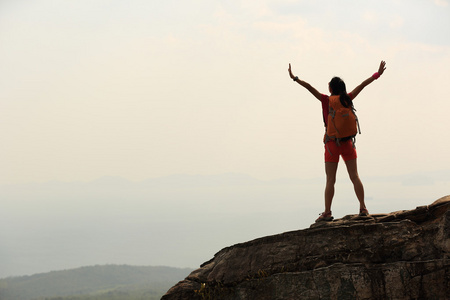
<point>403,254</point>
<point>90,280</point>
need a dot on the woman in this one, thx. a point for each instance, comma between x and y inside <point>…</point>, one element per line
<point>345,147</point>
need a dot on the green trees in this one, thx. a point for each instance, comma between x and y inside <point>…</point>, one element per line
<point>94,283</point>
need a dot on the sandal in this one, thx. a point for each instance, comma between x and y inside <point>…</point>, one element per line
<point>325,217</point>
<point>363,212</point>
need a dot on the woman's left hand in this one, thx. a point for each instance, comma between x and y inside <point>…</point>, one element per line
<point>382,67</point>
<point>290,72</point>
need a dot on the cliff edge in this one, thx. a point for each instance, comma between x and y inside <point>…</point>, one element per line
<point>400,255</point>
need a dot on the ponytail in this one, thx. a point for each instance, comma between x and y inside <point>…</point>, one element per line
<point>345,100</point>
<point>337,86</point>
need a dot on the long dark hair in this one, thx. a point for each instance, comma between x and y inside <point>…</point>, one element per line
<point>337,86</point>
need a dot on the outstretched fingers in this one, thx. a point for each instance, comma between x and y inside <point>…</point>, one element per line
<point>382,67</point>
<point>290,71</point>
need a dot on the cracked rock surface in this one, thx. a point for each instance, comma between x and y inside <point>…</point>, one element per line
<point>400,255</point>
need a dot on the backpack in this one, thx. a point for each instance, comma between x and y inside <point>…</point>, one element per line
<point>342,121</point>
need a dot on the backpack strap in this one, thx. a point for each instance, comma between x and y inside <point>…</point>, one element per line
<point>326,139</point>
<point>332,112</point>
<point>357,121</point>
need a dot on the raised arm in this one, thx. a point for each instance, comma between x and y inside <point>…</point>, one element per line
<point>305,84</point>
<point>369,80</point>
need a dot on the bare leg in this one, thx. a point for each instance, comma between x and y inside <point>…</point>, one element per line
<point>357,184</point>
<point>330,171</point>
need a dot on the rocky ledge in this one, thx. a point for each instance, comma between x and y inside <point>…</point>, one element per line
<point>400,255</point>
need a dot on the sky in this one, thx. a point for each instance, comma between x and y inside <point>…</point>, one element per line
<point>141,90</point>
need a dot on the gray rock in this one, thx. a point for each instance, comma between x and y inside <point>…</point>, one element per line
<point>400,255</point>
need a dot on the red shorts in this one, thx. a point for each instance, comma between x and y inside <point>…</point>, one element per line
<point>333,151</point>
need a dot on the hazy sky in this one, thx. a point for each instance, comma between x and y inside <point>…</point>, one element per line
<point>144,89</point>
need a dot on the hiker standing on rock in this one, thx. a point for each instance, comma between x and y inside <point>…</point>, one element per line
<point>341,126</point>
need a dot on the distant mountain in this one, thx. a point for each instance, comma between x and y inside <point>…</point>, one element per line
<point>94,282</point>
<point>170,220</point>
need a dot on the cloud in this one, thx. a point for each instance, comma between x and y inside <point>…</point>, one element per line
<point>397,22</point>
<point>256,7</point>
<point>214,75</point>
<point>370,16</point>
<point>441,3</point>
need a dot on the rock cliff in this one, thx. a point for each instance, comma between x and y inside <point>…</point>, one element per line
<point>400,255</point>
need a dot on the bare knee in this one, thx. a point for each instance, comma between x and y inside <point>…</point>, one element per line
<point>354,177</point>
<point>330,171</point>
<point>331,180</point>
